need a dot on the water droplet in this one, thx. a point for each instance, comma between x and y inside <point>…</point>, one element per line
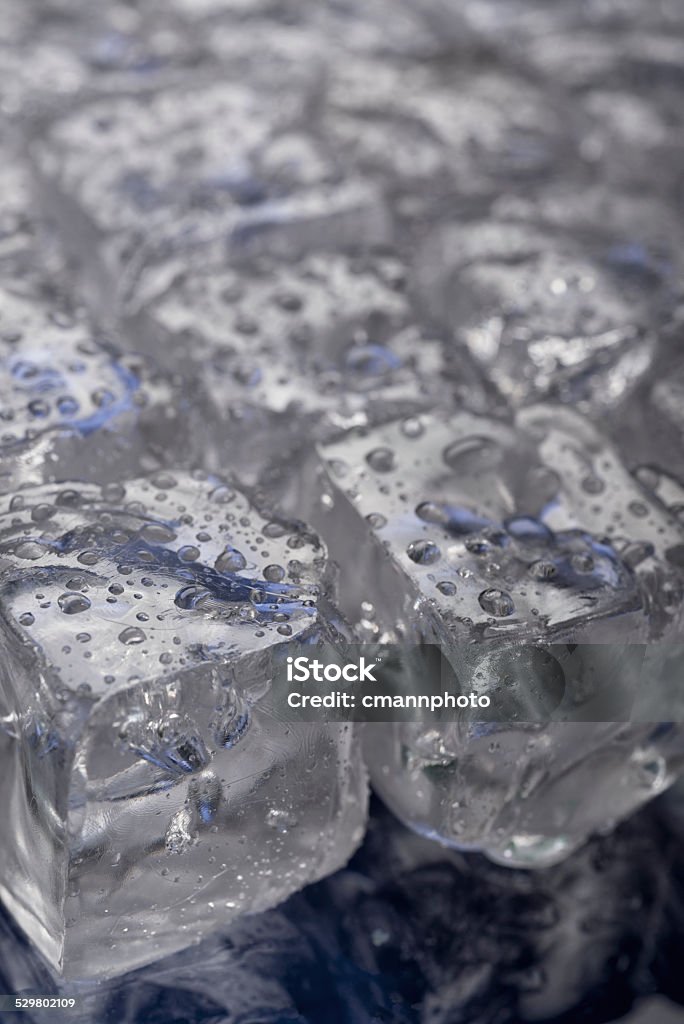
<point>102,398</point>
<point>274,530</point>
<point>222,495</point>
<point>72,604</point>
<point>582,562</point>
<point>132,635</point>
<point>230,560</point>
<point>382,460</point>
<point>496,602</point>
<point>649,476</point>
<point>157,533</point>
<point>447,588</point>
<point>593,484</point>
<point>113,492</point>
<point>67,405</point>
<point>274,573</point>
<point>42,512</point>
<point>68,499</point>
<point>432,512</point>
<point>39,408</point>
<point>338,467</point>
<point>543,570</point>
<point>191,597</point>
<point>27,619</point>
<point>30,550</point>
<point>423,552</point>
<point>412,428</point>
<point>638,509</point>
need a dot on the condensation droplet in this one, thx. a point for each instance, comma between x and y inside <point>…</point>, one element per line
<point>496,602</point>
<point>423,552</point>
<point>230,560</point>
<point>132,635</point>
<point>382,460</point>
<point>72,604</point>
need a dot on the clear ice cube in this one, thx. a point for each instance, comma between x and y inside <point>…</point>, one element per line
<point>128,176</point>
<point>291,353</point>
<point>460,529</point>
<point>546,313</point>
<point>540,511</point>
<point>153,792</point>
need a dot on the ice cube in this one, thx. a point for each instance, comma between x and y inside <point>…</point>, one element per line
<point>152,791</point>
<point>138,180</point>
<point>547,313</point>
<point>71,406</point>
<point>539,511</point>
<point>60,54</point>
<point>290,353</point>
<point>464,130</point>
<point>460,529</point>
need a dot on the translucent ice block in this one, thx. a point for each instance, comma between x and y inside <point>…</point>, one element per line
<point>547,313</point>
<point>152,791</point>
<point>469,531</point>
<point>459,128</point>
<point>134,179</point>
<point>532,530</point>
<point>291,353</point>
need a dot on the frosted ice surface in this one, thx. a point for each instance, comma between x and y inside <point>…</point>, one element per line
<point>459,529</point>
<point>70,406</point>
<point>547,314</point>
<point>152,791</point>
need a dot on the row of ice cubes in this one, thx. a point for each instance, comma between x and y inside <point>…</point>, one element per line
<point>363,280</point>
